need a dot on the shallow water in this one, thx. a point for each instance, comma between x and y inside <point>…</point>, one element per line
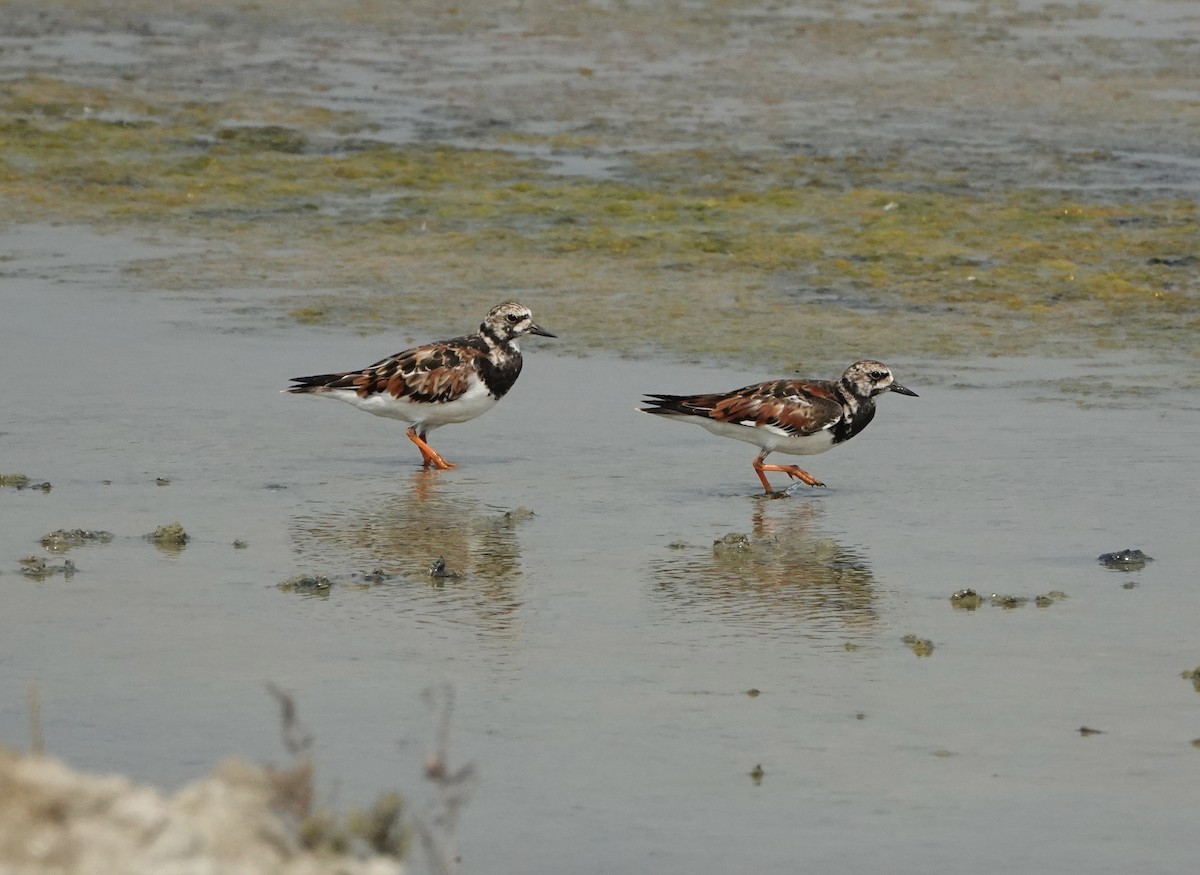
<point>600,649</point>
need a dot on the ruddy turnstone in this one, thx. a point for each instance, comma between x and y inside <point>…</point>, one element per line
<point>438,383</point>
<point>798,417</point>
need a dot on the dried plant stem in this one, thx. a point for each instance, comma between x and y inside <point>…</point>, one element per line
<point>452,788</point>
<point>37,740</point>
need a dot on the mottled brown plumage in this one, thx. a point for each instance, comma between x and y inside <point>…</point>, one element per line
<point>797,407</point>
<point>800,417</point>
<point>438,383</point>
<point>434,373</point>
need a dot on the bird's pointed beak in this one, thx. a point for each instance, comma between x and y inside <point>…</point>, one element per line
<point>537,329</point>
<point>896,387</point>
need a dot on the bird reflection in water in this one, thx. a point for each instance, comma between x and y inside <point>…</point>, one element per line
<point>784,574</point>
<point>471,549</point>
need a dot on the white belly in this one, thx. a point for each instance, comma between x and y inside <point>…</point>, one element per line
<point>767,437</point>
<point>476,401</point>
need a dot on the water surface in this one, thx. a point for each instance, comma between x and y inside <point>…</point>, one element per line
<point>600,649</point>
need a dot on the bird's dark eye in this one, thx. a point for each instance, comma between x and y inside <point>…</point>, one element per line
<point>514,317</point>
<point>878,375</point>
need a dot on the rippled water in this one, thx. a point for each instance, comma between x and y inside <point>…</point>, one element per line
<point>601,648</point>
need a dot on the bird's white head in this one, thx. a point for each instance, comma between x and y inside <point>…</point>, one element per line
<point>510,320</point>
<point>868,378</point>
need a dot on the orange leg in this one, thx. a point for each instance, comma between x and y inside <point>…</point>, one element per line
<point>792,471</point>
<point>428,453</point>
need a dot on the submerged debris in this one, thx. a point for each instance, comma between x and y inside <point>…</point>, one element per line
<point>36,568</point>
<point>1124,560</point>
<point>169,535</point>
<point>1008,602</point>
<point>1174,260</point>
<point>1045,601</point>
<point>1193,675</point>
<point>733,542</point>
<point>966,600</point>
<point>919,646</point>
<point>20,481</point>
<point>756,774</point>
<point>439,571</point>
<point>516,515</point>
<point>376,575</point>
<point>264,138</point>
<point>969,599</point>
<point>311,584</point>
<point>61,540</point>
<point>1087,730</point>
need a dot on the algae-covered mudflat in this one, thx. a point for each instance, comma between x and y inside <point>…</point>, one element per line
<point>923,668</point>
<point>752,187</point>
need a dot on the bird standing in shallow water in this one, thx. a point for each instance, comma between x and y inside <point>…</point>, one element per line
<point>798,417</point>
<point>438,383</point>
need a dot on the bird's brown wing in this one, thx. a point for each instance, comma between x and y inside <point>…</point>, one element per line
<point>795,407</point>
<point>439,371</point>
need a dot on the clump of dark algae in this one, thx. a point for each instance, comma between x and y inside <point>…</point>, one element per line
<point>62,540</point>
<point>169,535</point>
<point>969,600</point>
<point>966,600</point>
<point>37,568</point>
<point>169,538</point>
<point>307,584</point>
<point>20,481</point>
<point>919,646</point>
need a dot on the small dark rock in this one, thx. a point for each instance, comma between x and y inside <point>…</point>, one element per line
<point>1173,260</point>
<point>439,571</point>
<point>1124,560</point>
<point>377,575</point>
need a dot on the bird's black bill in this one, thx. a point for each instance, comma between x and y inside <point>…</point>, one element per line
<point>535,329</point>
<point>896,387</point>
